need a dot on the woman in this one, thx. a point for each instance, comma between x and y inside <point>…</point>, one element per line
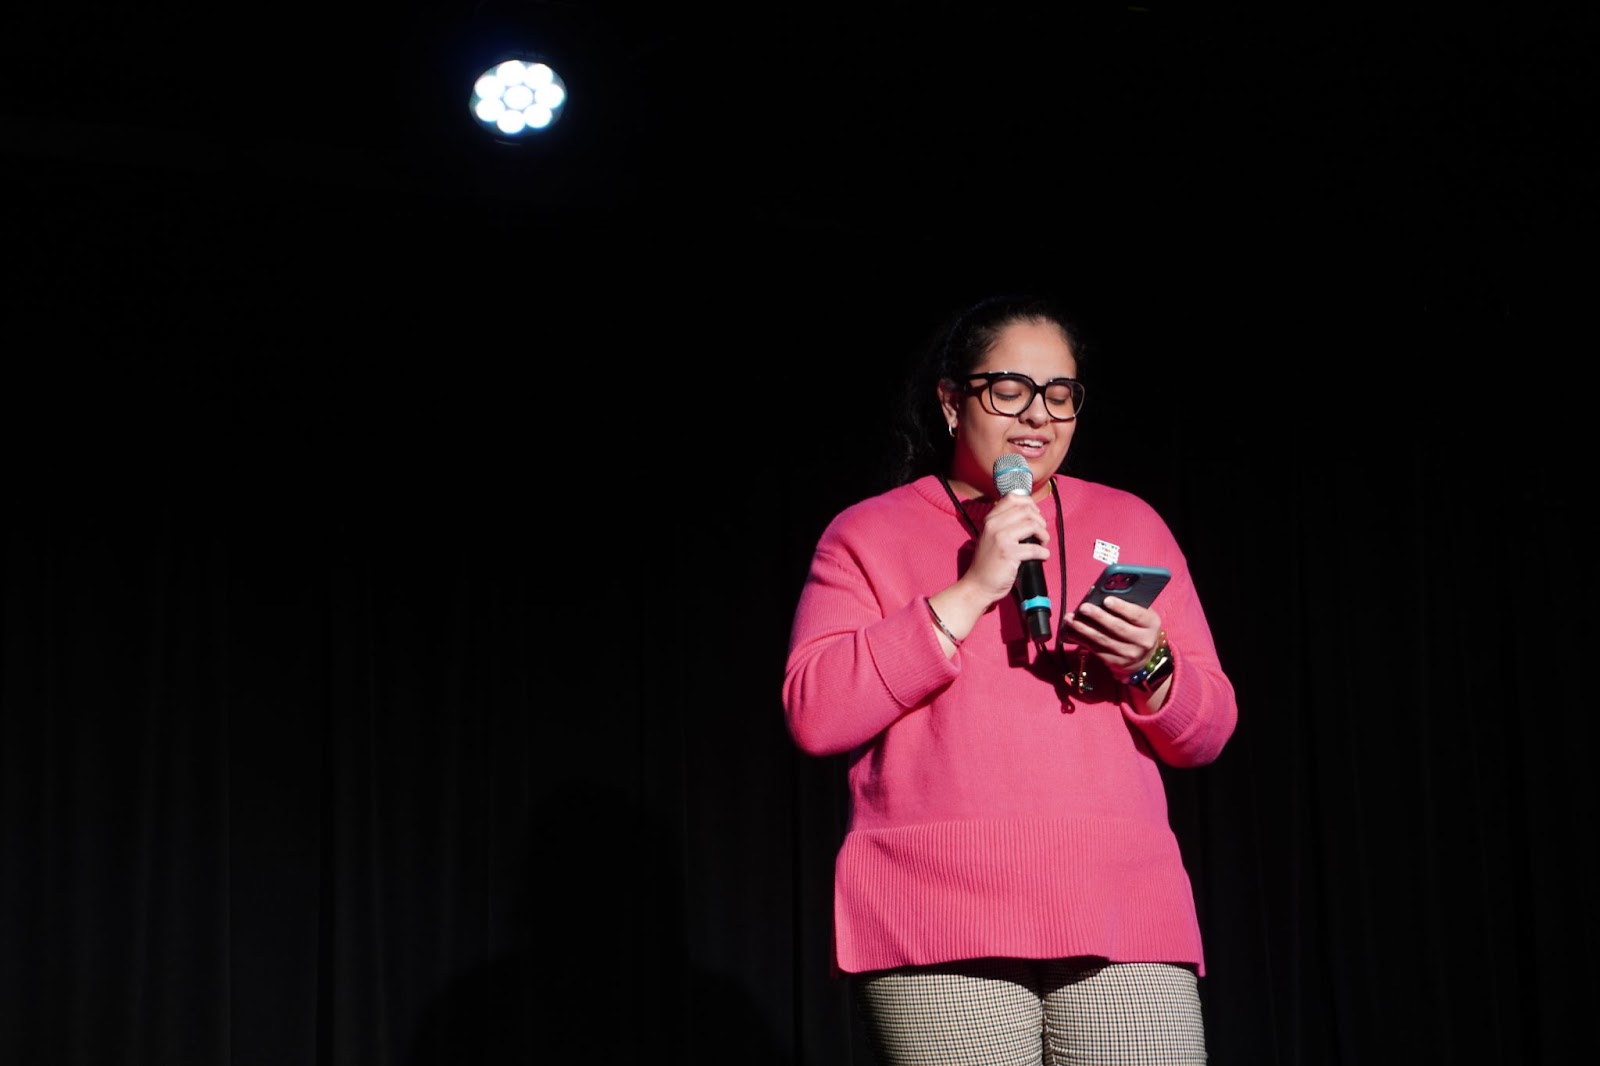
<point>1009,889</point>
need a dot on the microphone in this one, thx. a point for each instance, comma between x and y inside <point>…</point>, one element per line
<point>1013,478</point>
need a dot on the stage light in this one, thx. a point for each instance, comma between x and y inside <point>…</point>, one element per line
<point>518,97</point>
<point>532,102</point>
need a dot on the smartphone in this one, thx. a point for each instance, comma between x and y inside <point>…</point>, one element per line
<point>1136,584</point>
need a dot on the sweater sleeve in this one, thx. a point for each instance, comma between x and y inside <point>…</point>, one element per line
<point>1200,711</point>
<point>856,665</point>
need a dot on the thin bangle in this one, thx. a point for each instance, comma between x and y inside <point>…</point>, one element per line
<point>940,623</point>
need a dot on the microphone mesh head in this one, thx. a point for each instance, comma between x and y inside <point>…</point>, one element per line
<point>1011,475</point>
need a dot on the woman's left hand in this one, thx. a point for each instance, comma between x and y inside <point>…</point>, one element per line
<point>1122,635</point>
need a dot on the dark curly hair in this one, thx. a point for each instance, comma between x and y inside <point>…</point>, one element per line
<point>921,442</point>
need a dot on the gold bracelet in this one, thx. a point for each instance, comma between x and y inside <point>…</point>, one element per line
<point>940,623</point>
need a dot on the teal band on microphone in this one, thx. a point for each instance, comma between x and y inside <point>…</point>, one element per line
<point>1037,601</point>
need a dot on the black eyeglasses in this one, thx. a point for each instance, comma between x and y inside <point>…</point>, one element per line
<point>1005,393</point>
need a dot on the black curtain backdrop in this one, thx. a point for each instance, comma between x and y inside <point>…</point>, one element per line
<point>390,663</point>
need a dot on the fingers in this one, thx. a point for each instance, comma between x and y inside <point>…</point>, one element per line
<point>1012,523</point>
<point>1003,545</point>
<point>1122,634</point>
<point>1123,615</point>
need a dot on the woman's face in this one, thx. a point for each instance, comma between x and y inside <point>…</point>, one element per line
<point>1037,352</point>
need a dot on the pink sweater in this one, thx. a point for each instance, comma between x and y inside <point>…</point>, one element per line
<point>988,816</point>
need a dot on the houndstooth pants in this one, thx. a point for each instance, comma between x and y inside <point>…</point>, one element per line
<point>1021,1012</point>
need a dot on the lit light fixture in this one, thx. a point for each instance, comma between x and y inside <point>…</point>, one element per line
<point>517,98</point>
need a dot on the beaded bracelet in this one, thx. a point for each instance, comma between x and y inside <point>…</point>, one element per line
<point>940,623</point>
<point>1155,668</point>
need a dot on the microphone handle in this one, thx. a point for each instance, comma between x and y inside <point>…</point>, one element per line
<point>1034,597</point>
<point>1032,593</point>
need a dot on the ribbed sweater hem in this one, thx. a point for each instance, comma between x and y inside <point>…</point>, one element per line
<point>1018,888</point>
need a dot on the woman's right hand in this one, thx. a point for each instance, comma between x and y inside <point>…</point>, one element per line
<point>1000,550</point>
<point>1002,547</point>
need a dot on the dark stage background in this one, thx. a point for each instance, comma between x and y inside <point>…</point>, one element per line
<point>401,535</point>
